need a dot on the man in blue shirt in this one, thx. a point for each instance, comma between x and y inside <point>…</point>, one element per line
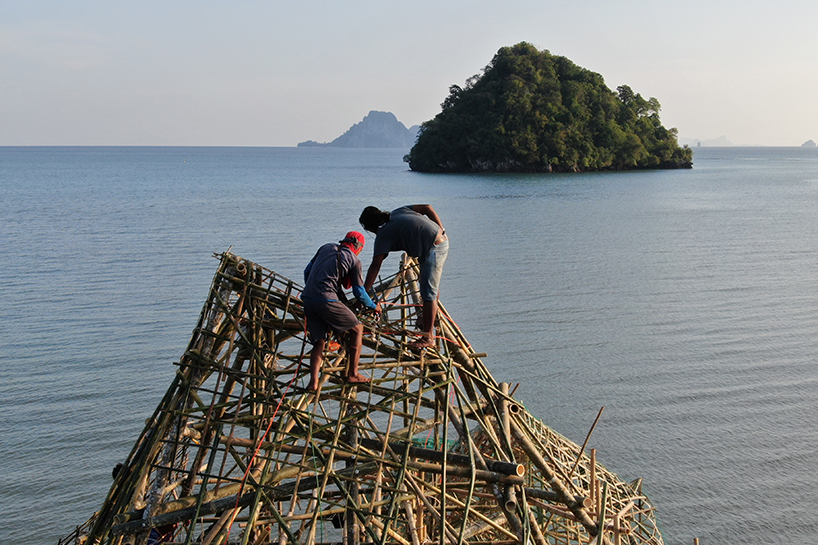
<point>334,267</point>
<point>418,231</point>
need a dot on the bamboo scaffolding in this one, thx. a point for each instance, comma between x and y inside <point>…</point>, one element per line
<point>432,450</point>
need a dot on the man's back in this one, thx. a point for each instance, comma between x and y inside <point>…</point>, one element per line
<point>331,263</point>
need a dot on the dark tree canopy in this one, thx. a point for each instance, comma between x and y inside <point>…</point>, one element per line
<point>531,111</point>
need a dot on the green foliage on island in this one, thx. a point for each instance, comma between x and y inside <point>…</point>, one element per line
<point>531,111</point>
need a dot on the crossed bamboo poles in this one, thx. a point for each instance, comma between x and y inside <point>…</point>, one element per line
<point>433,449</point>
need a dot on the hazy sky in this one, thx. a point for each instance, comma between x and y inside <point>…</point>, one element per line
<point>278,72</point>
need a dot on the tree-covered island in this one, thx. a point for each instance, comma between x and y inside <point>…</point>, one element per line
<point>531,111</point>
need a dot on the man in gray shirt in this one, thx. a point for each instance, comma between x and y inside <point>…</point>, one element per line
<point>418,231</point>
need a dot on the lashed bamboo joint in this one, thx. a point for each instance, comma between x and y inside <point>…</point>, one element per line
<point>433,450</point>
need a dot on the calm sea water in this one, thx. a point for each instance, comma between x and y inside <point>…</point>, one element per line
<point>684,302</point>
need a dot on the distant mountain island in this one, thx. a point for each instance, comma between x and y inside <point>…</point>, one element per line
<point>808,144</point>
<point>375,130</point>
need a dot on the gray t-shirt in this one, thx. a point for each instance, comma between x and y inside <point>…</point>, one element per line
<point>325,272</point>
<point>406,231</point>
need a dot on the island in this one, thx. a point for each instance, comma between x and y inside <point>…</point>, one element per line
<point>531,111</point>
<point>375,130</point>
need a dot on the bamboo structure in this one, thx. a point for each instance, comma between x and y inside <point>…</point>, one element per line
<point>432,450</point>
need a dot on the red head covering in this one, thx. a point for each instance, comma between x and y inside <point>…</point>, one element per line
<point>355,241</point>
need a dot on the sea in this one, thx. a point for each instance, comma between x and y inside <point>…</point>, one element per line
<point>683,303</point>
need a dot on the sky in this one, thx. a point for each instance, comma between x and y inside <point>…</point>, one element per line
<point>279,72</point>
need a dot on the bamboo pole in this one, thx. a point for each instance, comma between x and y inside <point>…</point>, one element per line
<point>600,537</point>
<point>351,526</point>
<point>556,485</point>
<point>392,533</point>
<point>549,495</point>
<point>585,443</point>
<point>592,480</point>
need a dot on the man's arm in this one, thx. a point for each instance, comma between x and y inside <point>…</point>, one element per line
<point>429,212</point>
<point>360,294</point>
<point>374,269</point>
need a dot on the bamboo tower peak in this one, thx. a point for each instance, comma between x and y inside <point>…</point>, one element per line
<point>432,450</point>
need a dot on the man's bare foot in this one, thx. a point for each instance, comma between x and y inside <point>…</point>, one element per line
<point>312,387</point>
<point>423,342</point>
<point>357,379</point>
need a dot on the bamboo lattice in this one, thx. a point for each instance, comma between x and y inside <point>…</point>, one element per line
<point>433,450</point>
